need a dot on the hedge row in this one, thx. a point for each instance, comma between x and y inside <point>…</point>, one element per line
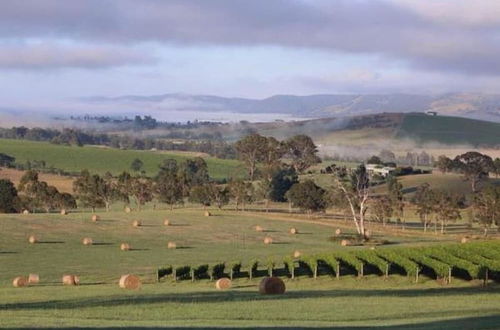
<point>473,260</point>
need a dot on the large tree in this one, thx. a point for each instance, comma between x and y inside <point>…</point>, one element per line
<point>8,196</point>
<point>307,196</point>
<point>192,172</point>
<point>168,187</point>
<point>446,208</point>
<point>444,164</point>
<point>486,207</point>
<point>355,186</point>
<point>96,191</point>
<point>382,209</point>
<point>251,150</point>
<point>302,152</point>
<point>424,200</point>
<point>474,166</point>
<point>396,197</point>
<point>241,192</point>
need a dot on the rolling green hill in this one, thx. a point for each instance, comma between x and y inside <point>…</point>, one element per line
<point>392,127</point>
<point>449,130</point>
<point>101,160</point>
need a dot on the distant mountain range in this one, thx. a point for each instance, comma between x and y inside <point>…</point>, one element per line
<point>469,105</point>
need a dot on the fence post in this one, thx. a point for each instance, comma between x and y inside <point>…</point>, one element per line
<point>338,271</point>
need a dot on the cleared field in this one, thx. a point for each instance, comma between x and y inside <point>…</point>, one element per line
<point>100,160</point>
<point>62,183</point>
<point>323,302</point>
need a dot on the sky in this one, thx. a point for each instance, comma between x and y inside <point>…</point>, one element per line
<point>58,50</point>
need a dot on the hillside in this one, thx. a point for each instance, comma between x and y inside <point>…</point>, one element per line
<point>101,160</point>
<point>392,128</point>
<point>470,105</point>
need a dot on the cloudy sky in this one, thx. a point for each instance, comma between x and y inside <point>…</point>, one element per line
<point>58,49</point>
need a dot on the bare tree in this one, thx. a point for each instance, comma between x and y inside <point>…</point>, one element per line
<point>355,186</point>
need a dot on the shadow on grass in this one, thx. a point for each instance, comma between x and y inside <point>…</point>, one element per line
<point>480,322</point>
<point>8,252</point>
<point>237,296</point>
<point>51,242</point>
<point>103,243</point>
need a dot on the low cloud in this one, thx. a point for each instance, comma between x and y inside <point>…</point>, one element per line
<point>50,56</point>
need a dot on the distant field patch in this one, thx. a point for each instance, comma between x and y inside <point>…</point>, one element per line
<point>100,160</point>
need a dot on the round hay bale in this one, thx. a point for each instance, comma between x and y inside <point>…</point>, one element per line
<point>171,245</point>
<point>128,210</point>
<point>272,285</point>
<point>87,241</point>
<point>26,212</point>
<point>130,282</point>
<point>293,231</point>
<point>297,254</point>
<point>268,240</point>
<point>33,279</point>
<point>368,234</point>
<point>373,248</point>
<point>20,282</point>
<point>70,280</point>
<point>95,218</point>
<point>223,284</point>
<point>125,247</point>
<point>137,223</point>
<point>345,242</point>
<point>464,240</point>
<point>338,231</point>
<point>166,222</point>
<point>64,212</point>
<point>32,239</point>
<point>259,229</point>
<point>208,214</point>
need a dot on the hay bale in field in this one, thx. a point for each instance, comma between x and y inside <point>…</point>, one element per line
<point>338,231</point>
<point>259,228</point>
<point>368,234</point>
<point>95,218</point>
<point>345,242</point>
<point>64,212</point>
<point>26,212</point>
<point>171,245</point>
<point>223,284</point>
<point>128,209</point>
<point>464,240</point>
<point>272,285</point>
<point>293,231</point>
<point>208,214</point>
<point>20,282</point>
<point>125,247</point>
<point>268,240</point>
<point>33,279</point>
<point>137,223</point>
<point>297,254</point>
<point>130,282</point>
<point>87,241</point>
<point>166,222</point>
<point>32,239</point>
<point>70,280</point>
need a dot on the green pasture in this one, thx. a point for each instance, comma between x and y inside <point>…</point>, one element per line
<point>100,160</point>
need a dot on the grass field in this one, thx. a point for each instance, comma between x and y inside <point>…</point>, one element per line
<point>100,160</point>
<point>449,130</point>
<point>227,236</point>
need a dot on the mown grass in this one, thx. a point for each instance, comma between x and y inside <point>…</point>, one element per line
<point>323,303</point>
<point>100,160</point>
<point>227,236</point>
